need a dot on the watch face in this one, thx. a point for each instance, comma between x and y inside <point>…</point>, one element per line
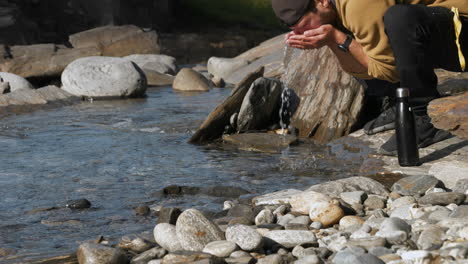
<point>343,47</point>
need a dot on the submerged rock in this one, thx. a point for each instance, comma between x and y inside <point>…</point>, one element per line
<point>104,77</point>
<point>98,254</point>
<point>78,204</point>
<point>261,142</point>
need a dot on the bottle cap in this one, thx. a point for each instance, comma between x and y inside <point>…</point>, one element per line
<point>402,92</point>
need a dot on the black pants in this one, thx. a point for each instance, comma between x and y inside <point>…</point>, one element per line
<point>422,39</point>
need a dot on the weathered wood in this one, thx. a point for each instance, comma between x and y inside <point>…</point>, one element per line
<point>330,99</point>
<point>451,114</point>
<point>213,127</point>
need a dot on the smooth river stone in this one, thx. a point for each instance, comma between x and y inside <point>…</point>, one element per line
<point>395,230</point>
<point>442,198</point>
<point>166,236</point>
<point>302,202</point>
<point>244,236</point>
<point>265,217</point>
<point>190,80</point>
<point>221,249</point>
<point>326,213</point>
<point>291,238</point>
<point>415,185</point>
<point>350,220</point>
<point>195,231</point>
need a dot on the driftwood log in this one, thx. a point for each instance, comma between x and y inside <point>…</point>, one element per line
<point>330,99</point>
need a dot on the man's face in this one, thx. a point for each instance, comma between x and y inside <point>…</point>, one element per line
<point>324,14</point>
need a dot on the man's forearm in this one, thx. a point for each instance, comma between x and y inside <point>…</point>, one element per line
<point>353,61</point>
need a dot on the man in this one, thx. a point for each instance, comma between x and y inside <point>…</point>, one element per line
<point>397,41</point>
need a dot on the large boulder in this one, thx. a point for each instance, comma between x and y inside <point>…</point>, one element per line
<point>451,114</point>
<point>155,62</point>
<point>118,41</point>
<point>104,77</point>
<point>16,82</point>
<point>44,95</point>
<point>43,60</point>
<point>329,99</point>
<point>223,67</point>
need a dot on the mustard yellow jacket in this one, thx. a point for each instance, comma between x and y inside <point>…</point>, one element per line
<point>364,18</point>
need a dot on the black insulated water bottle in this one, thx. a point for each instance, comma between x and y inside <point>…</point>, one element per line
<point>407,145</point>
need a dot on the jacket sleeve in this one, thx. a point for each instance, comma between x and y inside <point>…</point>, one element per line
<point>365,20</point>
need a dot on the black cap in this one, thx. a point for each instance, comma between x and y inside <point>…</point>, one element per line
<point>290,11</point>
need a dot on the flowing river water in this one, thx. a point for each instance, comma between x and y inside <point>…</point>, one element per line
<point>120,154</point>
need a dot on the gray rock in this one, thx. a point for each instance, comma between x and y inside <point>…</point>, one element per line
<point>461,186</point>
<point>449,172</point>
<point>168,215</point>
<point>280,210</point>
<point>417,255</point>
<point>380,251</point>
<point>135,244</point>
<point>405,200</point>
<point>415,185</point>
<point>154,253</point>
<point>241,210</point>
<point>190,80</point>
<point>335,242</point>
<point>191,257</point>
<point>431,239</point>
<point>442,198</point>
<point>156,62</point>
<point>195,231</point>
<point>240,260</point>
<point>239,254</point>
<point>368,243</point>
<point>221,249</point>
<point>335,188</point>
<point>347,257</point>
<point>285,219</point>
<point>244,236</point>
<point>374,202</point>
<point>403,212</point>
<point>394,230</point>
<point>5,87</point>
<point>89,253</point>
<point>460,212</point>
<point>296,226</point>
<point>166,236</point>
<point>271,259</point>
<point>279,197</point>
<point>291,238</point>
<point>316,225</point>
<point>265,217</point>
<point>356,197</point>
<point>309,259</point>
<point>103,77</point>
<point>78,204</point>
<point>218,81</point>
<point>302,219</point>
<point>16,82</point>
<point>154,78</point>
<point>261,100</point>
<point>439,214</point>
<point>223,67</point>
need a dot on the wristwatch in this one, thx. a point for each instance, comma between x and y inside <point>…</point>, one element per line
<point>345,46</point>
